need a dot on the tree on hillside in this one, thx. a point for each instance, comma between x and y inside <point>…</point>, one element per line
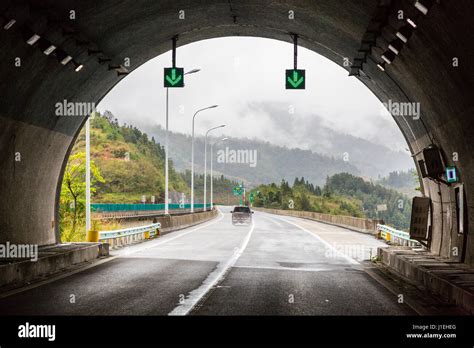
<point>303,202</point>
<point>296,182</point>
<point>73,189</point>
<point>317,191</point>
<point>285,187</point>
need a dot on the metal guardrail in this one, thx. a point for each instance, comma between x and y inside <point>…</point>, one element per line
<point>152,229</point>
<point>393,235</point>
<point>112,207</point>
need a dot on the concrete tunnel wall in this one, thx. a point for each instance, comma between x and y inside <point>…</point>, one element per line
<point>142,29</point>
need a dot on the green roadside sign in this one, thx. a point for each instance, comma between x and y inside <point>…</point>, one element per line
<point>237,190</point>
<point>295,79</point>
<point>174,77</point>
<point>251,197</point>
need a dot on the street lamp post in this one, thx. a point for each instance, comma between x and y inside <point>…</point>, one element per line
<point>192,156</point>
<point>88,177</point>
<point>166,144</point>
<point>205,162</point>
<point>212,175</point>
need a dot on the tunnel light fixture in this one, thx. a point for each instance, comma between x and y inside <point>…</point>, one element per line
<point>423,5</point>
<point>381,66</point>
<point>63,57</point>
<point>33,39</point>
<point>404,33</point>
<point>411,22</point>
<point>66,60</point>
<point>46,46</point>
<point>49,50</point>
<point>9,24</point>
<point>29,36</point>
<point>77,66</point>
<point>388,56</point>
<point>395,46</point>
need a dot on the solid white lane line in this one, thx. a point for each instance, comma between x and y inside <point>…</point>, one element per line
<point>212,279</point>
<point>277,268</point>
<point>165,240</point>
<point>329,246</point>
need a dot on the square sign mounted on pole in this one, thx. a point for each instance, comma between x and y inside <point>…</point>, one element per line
<point>174,77</point>
<point>237,190</point>
<point>295,79</point>
<point>451,174</point>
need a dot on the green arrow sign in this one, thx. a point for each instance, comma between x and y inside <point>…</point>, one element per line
<point>295,79</point>
<point>174,77</point>
<point>237,190</point>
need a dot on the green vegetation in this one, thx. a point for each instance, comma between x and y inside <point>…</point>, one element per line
<point>406,182</point>
<point>72,199</point>
<point>305,196</point>
<point>326,157</point>
<point>398,205</point>
<point>126,165</point>
<point>131,164</point>
<point>270,158</point>
<point>343,194</point>
<point>222,188</point>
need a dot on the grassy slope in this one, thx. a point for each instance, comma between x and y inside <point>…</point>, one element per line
<point>127,180</point>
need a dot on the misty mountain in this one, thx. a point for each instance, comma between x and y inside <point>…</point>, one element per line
<point>273,163</point>
<point>302,143</point>
<point>373,157</point>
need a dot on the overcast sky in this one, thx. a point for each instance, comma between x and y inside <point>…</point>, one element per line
<point>240,74</point>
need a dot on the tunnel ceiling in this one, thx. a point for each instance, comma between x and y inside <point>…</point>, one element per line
<point>141,30</point>
<point>103,34</point>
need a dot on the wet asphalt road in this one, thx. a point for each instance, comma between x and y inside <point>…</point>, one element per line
<point>274,266</point>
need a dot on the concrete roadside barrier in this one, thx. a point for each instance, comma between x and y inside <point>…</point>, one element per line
<point>362,225</point>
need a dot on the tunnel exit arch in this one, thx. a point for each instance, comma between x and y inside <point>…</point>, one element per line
<point>103,34</point>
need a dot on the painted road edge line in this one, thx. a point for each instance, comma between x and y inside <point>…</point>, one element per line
<point>164,240</point>
<point>96,262</point>
<point>212,279</point>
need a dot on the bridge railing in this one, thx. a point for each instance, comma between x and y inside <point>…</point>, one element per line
<point>393,235</point>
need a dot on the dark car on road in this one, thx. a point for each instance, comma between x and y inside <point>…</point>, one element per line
<point>241,215</point>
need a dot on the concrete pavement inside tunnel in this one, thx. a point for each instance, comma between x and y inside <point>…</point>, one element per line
<point>217,268</point>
